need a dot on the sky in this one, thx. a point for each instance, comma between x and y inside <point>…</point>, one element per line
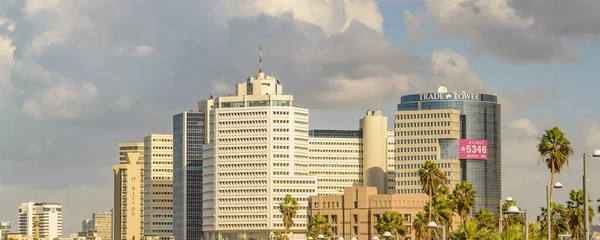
<point>79,76</point>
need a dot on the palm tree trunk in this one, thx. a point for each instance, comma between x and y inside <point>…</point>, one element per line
<point>549,217</point>
<point>430,213</point>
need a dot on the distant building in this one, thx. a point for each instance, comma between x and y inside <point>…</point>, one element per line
<point>50,219</point>
<point>102,225</point>
<point>158,185</point>
<point>4,230</point>
<point>87,225</point>
<point>128,199</point>
<point>357,211</point>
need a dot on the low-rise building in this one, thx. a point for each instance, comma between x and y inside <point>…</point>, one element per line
<point>356,213</point>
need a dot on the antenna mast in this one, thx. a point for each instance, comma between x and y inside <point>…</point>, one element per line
<point>260,58</point>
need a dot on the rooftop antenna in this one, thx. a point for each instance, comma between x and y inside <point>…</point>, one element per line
<point>260,58</point>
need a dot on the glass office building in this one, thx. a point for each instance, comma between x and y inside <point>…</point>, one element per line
<point>470,116</point>
<point>188,139</point>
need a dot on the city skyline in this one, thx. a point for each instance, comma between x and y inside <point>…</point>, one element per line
<point>59,86</point>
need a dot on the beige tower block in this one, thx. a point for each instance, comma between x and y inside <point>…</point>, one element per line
<point>374,130</point>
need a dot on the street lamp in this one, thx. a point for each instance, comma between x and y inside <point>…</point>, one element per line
<point>375,238</point>
<point>512,210</point>
<point>387,235</point>
<point>508,199</point>
<point>340,238</point>
<point>354,238</point>
<point>586,220</point>
<point>432,224</point>
<point>310,238</point>
<point>320,236</point>
<point>557,185</point>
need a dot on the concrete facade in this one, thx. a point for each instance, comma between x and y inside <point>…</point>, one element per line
<point>158,185</point>
<point>49,215</point>
<point>356,213</point>
<point>375,152</point>
<point>102,225</point>
<point>128,197</point>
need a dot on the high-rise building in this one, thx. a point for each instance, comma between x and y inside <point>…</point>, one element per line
<point>189,135</point>
<point>459,131</point>
<point>158,185</point>
<point>102,225</point>
<point>337,157</point>
<point>87,225</point>
<point>4,230</point>
<point>49,215</point>
<point>258,153</point>
<point>128,199</point>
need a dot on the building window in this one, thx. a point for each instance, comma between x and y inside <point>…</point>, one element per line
<point>355,229</point>
<point>316,205</point>
<point>355,218</point>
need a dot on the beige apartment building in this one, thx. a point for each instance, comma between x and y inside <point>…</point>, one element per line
<point>128,193</point>
<point>102,225</point>
<point>356,213</point>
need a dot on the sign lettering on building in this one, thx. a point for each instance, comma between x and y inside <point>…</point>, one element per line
<point>449,96</point>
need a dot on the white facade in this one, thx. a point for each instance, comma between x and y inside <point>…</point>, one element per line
<point>259,152</point>
<point>50,219</point>
<point>158,185</point>
<point>336,159</point>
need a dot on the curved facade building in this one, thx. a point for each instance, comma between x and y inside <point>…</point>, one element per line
<point>461,131</point>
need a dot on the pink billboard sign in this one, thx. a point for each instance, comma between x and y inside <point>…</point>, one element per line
<point>473,149</point>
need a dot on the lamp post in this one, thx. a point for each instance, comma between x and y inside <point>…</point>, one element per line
<point>387,235</point>
<point>320,236</point>
<point>508,199</point>
<point>586,220</point>
<point>375,238</point>
<point>557,185</point>
<point>515,210</point>
<point>432,224</point>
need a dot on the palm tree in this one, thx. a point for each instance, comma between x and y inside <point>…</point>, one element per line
<point>470,230</point>
<point>463,198</point>
<point>431,178</point>
<point>555,150</point>
<point>559,220</point>
<point>486,220</point>
<point>392,222</point>
<point>420,225</point>
<point>575,214</point>
<point>319,225</point>
<point>442,210</point>
<point>510,233</point>
<point>288,209</point>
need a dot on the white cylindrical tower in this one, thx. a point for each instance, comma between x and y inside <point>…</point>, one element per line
<point>374,130</point>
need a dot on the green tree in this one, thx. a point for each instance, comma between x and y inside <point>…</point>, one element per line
<point>470,230</point>
<point>420,225</point>
<point>392,222</point>
<point>431,178</point>
<point>442,211</point>
<point>319,225</point>
<point>463,198</point>
<point>559,220</point>
<point>487,220</point>
<point>555,150</point>
<point>510,233</point>
<point>279,236</point>
<point>574,214</point>
<point>288,209</point>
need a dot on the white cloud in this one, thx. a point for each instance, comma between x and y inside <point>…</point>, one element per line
<point>454,68</point>
<point>142,50</point>
<point>353,92</point>
<point>526,125</point>
<point>64,100</point>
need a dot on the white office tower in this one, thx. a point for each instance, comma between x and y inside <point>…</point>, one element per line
<point>158,185</point>
<point>257,154</point>
<point>50,219</point>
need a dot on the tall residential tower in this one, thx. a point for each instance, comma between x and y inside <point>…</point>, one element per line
<point>49,215</point>
<point>128,217</point>
<point>158,185</point>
